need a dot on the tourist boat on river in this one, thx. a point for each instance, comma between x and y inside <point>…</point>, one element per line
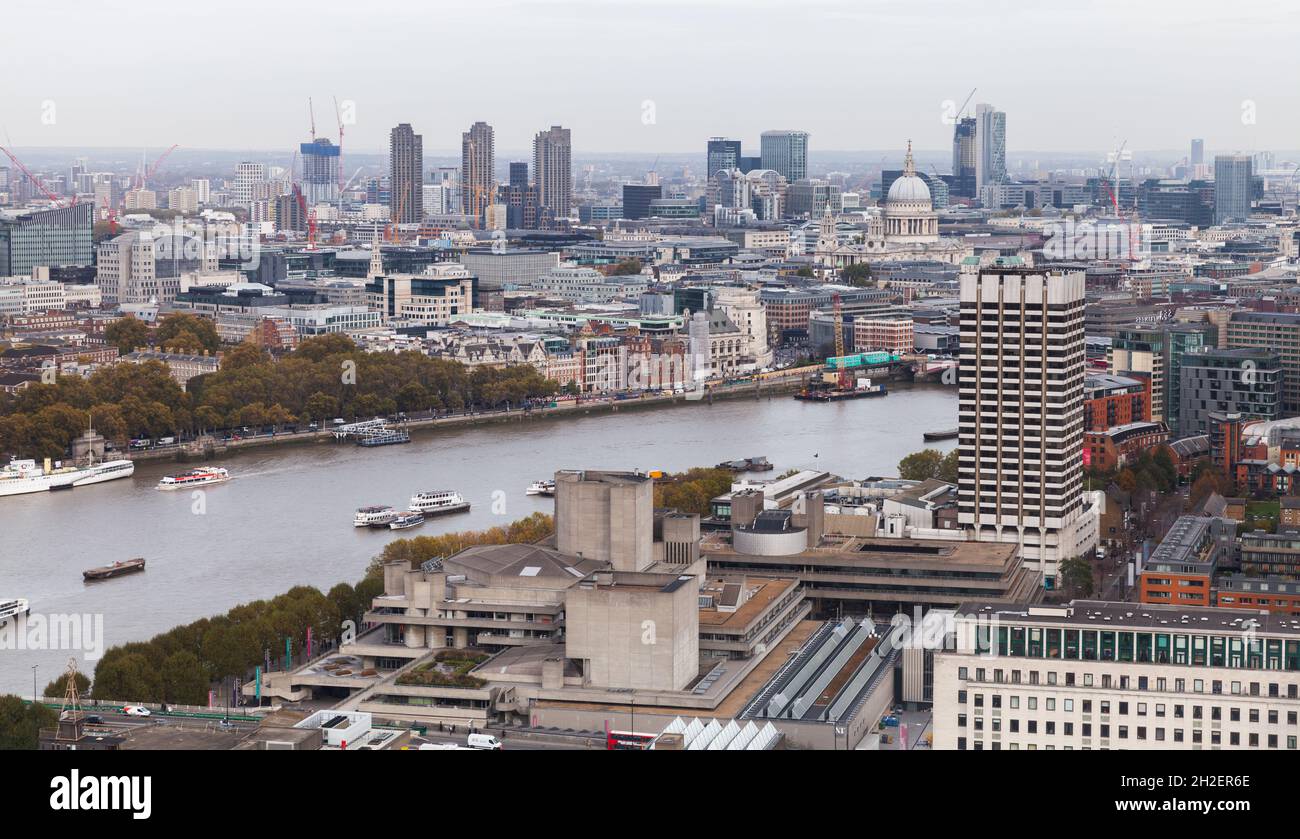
<point>374,516</point>
<point>439,502</point>
<point>410,518</point>
<point>195,477</point>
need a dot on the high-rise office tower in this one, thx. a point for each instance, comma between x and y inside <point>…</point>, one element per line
<point>786,152</point>
<point>990,146</point>
<point>248,177</point>
<point>320,169</point>
<point>61,236</point>
<point>1232,175</point>
<point>1198,152</point>
<point>963,158</point>
<point>553,171</point>
<point>1021,411</point>
<point>722,154</point>
<point>477,173</point>
<point>405,175</point>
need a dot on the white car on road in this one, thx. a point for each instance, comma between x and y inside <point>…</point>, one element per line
<point>136,711</point>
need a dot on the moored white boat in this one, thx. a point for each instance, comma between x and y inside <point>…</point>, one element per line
<point>12,608</point>
<point>374,516</point>
<point>545,488</point>
<point>24,476</point>
<point>406,519</point>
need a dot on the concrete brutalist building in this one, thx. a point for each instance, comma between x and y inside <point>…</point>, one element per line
<point>615,611</point>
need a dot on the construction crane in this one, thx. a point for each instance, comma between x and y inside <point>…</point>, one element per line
<point>1110,180</point>
<point>395,218</point>
<point>338,116</point>
<point>962,109</point>
<point>37,182</point>
<point>148,176</point>
<point>308,215</point>
<point>311,113</point>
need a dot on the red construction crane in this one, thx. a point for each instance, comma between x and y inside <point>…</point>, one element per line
<point>36,181</point>
<point>148,176</point>
<point>1111,181</point>
<point>301,201</point>
<point>309,215</point>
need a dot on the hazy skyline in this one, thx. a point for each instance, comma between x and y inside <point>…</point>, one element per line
<point>643,75</point>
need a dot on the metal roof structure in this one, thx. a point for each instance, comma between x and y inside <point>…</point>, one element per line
<point>715,736</point>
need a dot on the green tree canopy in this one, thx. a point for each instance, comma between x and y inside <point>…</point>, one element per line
<point>929,463</point>
<point>127,334</point>
<point>20,723</point>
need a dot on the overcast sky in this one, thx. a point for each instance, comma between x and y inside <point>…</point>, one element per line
<point>650,75</point>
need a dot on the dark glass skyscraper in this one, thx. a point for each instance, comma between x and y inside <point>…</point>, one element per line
<point>637,198</point>
<point>1232,187</point>
<point>723,154</point>
<point>963,158</point>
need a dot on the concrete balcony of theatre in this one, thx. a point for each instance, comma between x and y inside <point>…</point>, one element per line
<point>501,640</point>
<point>469,623</point>
<point>337,669</point>
<point>430,703</point>
<point>373,644</point>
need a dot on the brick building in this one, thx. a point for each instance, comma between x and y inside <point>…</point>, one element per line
<point>1112,400</point>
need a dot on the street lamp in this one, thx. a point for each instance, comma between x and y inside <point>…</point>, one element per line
<point>34,669</point>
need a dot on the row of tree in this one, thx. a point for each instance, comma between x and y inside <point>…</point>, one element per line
<point>180,666</point>
<point>325,377</point>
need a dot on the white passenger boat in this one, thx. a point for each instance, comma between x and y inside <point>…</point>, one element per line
<point>438,502</point>
<point>410,518</point>
<point>544,488</point>
<point>375,516</point>
<point>195,477</point>
<point>24,476</point>
<point>12,608</point>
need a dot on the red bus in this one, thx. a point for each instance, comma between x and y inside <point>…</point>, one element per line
<point>622,740</point>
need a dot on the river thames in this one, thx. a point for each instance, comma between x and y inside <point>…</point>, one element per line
<point>285,518</point>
